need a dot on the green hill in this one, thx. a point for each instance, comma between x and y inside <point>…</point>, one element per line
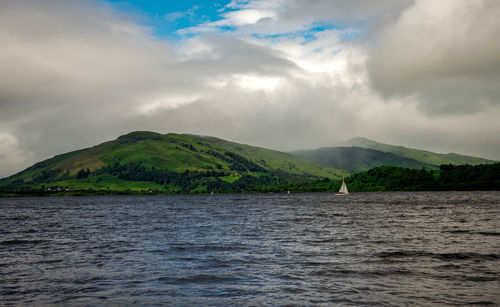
<point>416,154</point>
<point>357,159</point>
<point>149,161</point>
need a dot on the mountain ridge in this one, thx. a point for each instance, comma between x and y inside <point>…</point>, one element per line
<point>357,159</point>
<point>142,161</point>
<point>170,163</point>
<point>421,155</point>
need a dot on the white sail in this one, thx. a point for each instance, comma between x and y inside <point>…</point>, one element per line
<point>343,188</point>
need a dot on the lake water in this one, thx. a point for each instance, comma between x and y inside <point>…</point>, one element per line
<point>268,249</point>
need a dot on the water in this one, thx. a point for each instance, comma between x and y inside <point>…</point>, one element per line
<point>276,249</point>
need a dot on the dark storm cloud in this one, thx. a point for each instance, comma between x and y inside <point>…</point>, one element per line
<point>445,52</point>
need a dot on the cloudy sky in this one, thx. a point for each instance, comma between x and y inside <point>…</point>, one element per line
<point>284,74</point>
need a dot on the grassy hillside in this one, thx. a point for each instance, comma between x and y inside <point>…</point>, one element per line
<point>416,154</point>
<point>275,159</point>
<point>357,159</point>
<point>143,161</point>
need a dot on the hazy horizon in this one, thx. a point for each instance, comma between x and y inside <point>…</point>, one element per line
<point>280,74</point>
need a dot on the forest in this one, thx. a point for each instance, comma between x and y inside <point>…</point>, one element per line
<point>447,178</point>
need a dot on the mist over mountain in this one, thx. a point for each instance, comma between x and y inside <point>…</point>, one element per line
<point>423,156</point>
<point>358,159</point>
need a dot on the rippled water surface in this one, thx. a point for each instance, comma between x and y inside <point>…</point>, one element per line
<point>298,249</point>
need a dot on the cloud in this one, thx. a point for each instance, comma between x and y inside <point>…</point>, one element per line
<point>289,75</point>
<point>73,74</point>
<point>170,17</point>
<point>274,17</point>
<point>12,157</point>
<point>296,15</point>
<point>445,52</point>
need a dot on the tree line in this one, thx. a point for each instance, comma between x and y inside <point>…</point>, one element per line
<point>448,177</point>
<point>384,178</point>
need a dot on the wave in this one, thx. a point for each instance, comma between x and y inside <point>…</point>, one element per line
<point>488,233</point>
<point>329,240</point>
<point>202,278</point>
<point>345,272</point>
<point>17,218</point>
<point>457,231</point>
<point>206,247</point>
<point>445,256</point>
<point>484,233</point>
<point>19,242</point>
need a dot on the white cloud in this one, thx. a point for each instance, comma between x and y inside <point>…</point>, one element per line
<point>244,17</point>
<point>73,74</point>
<point>249,82</point>
<point>149,106</point>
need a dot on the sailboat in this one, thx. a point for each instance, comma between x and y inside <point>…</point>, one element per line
<point>343,188</point>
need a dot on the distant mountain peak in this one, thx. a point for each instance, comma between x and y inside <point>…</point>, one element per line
<point>360,154</point>
<point>136,136</point>
<point>359,141</point>
<point>424,156</point>
<point>359,138</point>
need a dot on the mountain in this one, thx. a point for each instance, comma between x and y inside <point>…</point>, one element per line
<point>416,154</point>
<point>149,161</point>
<point>357,159</point>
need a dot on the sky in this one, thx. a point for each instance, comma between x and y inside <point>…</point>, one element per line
<point>282,74</point>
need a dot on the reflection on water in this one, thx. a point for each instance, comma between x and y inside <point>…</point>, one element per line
<point>369,248</point>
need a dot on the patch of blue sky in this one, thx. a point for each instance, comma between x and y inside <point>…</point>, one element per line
<point>309,34</point>
<point>345,32</point>
<point>227,28</point>
<point>350,34</point>
<point>166,17</point>
<point>322,26</point>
